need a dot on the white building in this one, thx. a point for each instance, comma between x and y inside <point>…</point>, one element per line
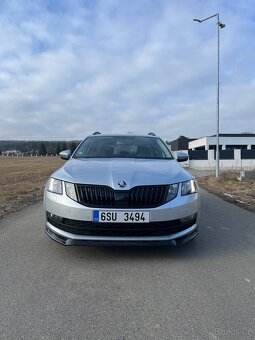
<point>227,141</point>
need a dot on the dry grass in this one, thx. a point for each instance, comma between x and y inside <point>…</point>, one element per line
<point>22,180</point>
<point>230,189</point>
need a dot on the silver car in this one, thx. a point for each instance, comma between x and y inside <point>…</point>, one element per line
<point>121,190</point>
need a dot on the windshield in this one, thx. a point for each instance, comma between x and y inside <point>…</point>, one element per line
<point>123,147</point>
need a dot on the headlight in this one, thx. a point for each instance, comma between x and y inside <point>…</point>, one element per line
<point>189,187</point>
<point>70,191</point>
<point>55,185</point>
<point>172,192</point>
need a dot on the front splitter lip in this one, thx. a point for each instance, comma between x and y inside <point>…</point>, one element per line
<point>66,238</point>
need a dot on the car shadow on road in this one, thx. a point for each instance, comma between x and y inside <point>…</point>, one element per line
<point>209,243</point>
<point>204,245</point>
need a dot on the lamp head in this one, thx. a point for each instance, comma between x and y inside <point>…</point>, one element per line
<point>221,25</point>
<point>197,20</point>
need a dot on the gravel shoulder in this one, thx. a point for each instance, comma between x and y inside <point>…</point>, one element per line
<point>228,187</point>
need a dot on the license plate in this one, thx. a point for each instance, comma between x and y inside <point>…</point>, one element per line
<point>121,216</point>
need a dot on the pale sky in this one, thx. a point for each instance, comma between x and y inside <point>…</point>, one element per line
<point>69,68</point>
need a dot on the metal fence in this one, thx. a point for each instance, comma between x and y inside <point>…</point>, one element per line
<point>247,154</point>
<point>198,154</point>
<point>225,154</point>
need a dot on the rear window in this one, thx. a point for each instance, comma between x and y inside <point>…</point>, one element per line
<point>123,147</point>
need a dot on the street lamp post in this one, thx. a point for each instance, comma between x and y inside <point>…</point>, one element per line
<point>220,26</point>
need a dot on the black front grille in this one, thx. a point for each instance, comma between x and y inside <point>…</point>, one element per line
<point>138,197</point>
<point>89,228</point>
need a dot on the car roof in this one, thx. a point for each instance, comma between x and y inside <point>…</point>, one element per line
<point>121,135</point>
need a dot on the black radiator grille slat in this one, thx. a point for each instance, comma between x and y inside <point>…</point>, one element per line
<point>103,196</point>
<point>153,195</point>
<point>86,193</point>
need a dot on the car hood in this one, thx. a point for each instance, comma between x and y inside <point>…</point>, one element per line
<point>134,172</point>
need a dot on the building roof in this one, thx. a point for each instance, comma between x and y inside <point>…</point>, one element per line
<point>234,135</point>
<point>181,143</point>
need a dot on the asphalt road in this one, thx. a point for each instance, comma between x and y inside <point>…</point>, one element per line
<point>202,290</point>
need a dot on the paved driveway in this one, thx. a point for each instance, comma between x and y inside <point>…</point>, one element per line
<point>202,290</point>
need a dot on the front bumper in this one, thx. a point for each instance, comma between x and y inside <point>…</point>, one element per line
<point>70,223</point>
<point>68,239</point>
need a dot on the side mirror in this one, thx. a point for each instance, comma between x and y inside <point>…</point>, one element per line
<point>182,157</point>
<point>66,154</point>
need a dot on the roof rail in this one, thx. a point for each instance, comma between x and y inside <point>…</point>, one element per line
<point>96,133</point>
<point>151,134</point>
